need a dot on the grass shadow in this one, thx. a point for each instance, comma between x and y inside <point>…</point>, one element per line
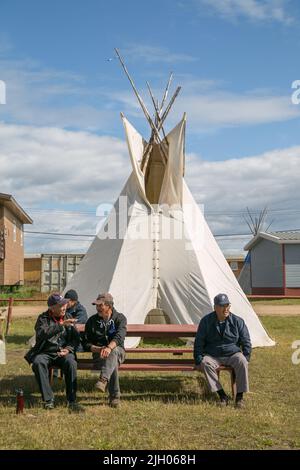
<point>20,340</point>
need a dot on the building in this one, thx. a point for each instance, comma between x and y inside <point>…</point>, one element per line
<point>12,219</point>
<point>50,272</point>
<point>274,263</point>
<point>236,262</point>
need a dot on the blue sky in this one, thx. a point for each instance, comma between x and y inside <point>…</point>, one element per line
<point>235,59</point>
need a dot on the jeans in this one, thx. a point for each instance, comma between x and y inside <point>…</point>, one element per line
<point>68,364</point>
<point>108,367</point>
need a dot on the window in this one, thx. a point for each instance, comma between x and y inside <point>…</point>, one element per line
<point>234,265</point>
<point>14,231</point>
<point>21,235</point>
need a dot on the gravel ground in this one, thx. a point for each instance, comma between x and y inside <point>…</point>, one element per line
<point>261,309</point>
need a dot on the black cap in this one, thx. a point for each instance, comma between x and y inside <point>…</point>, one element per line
<point>221,299</point>
<point>71,295</point>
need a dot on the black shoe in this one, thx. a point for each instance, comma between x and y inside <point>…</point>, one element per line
<point>49,405</point>
<point>74,407</point>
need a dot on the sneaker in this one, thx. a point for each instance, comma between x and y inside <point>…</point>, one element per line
<point>49,405</point>
<point>74,407</point>
<point>101,384</point>
<point>224,401</point>
<point>240,404</point>
<point>114,402</point>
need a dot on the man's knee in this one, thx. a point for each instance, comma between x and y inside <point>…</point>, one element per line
<point>38,361</point>
<point>239,360</point>
<point>70,362</point>
<point>208,363</point>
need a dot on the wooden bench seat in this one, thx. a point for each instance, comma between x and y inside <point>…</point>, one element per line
<point>169,359</point>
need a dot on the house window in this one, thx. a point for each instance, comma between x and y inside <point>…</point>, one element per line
<point>234,265</point>
<point>21,235</point>
<point>14,231</point>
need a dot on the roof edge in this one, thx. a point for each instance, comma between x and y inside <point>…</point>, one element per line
<point>10,202</point>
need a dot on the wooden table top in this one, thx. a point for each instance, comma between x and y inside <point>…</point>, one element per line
<point>157,330</point>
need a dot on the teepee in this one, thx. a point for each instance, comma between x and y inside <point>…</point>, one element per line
<point>155,249</point>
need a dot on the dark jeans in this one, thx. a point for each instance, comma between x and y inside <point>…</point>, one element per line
<point>68,364</point>
<point>108,367</point>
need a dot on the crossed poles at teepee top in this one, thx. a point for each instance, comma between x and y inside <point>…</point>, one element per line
<point>157,124</point>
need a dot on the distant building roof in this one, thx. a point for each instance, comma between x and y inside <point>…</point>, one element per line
<point>234,257</point>
<point>41,255</point>
<point>288,235</point>
<point>10,203</point>
<point>280,237</point>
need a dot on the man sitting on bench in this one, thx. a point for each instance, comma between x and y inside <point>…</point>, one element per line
<point>104,336</point>
<point>56,343</point>
<point>223,339</point>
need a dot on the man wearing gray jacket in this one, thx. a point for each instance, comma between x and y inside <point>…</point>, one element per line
<point>223,339</point>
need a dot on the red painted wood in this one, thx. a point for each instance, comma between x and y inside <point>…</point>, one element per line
<point>157,330</point>
<point>265,291</point>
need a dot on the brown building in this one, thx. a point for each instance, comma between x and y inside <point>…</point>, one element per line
<point>236,263</point>
<point>12,219</point>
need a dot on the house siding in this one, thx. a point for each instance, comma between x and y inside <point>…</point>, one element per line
<point>292,266</point>
<point>266,265</point>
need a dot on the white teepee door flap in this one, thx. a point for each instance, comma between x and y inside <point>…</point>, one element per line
<point>136,147</point>
<point>171,190</point>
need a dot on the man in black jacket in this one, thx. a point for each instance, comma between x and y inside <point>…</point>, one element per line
<point>223,339</point>
<point>104,336</point>
<point>76,310</point>
<point>56,343</point>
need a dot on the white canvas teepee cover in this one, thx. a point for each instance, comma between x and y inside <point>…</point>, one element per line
<point>160,255</point>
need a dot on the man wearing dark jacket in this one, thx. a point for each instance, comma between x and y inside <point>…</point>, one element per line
<point>56,343</point>
<point>223,339</point>
<point>104,336</point>
<point>77,311</point>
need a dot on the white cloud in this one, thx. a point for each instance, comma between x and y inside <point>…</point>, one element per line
<point>151,54</point>
<point>42,164</point>
<point>210,109</point>
<point>48,97</point>
<point>48,167</point>
<point>226,188</point>
<point>255,10</point>
<point>221,109</point>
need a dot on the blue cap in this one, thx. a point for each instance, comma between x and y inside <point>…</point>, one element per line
<point>55,299</point>
<point>221,299</point>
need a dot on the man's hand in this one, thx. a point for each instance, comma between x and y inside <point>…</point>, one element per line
<point>69,321</point>
<point>63,352</point>
<point>105,352</point>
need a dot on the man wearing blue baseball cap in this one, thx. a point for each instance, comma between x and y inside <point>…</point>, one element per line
<point>56,343</point>
<point>223,339</point>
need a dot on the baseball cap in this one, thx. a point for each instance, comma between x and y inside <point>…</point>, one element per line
<point>55,299</point>
<point>71,295</point>
<point>106,297</point>
<point>221,299</point>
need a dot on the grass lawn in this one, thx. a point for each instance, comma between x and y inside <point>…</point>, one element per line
<point>158,411</point>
